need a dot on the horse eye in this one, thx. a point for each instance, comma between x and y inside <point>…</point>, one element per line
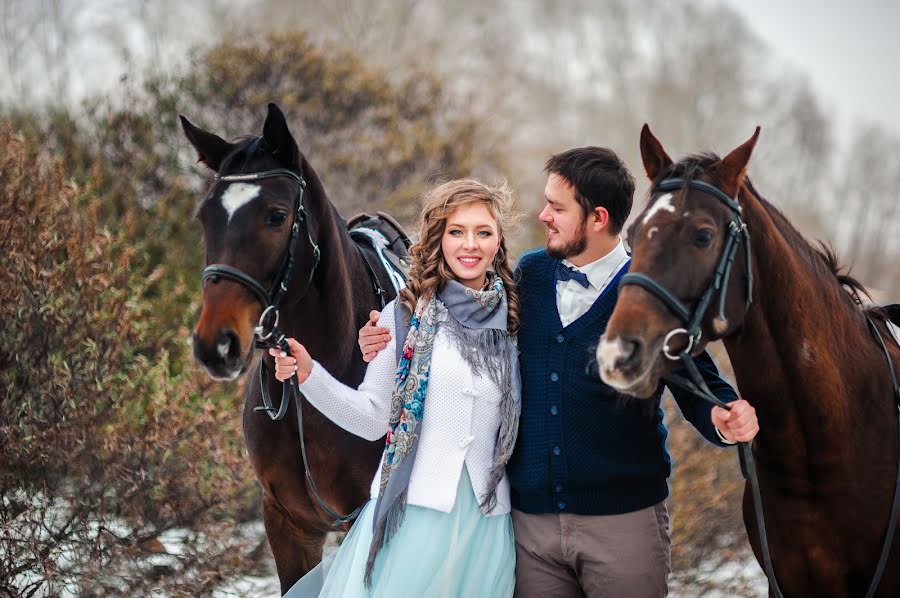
<point>276,218</point>
<point>703,237</point>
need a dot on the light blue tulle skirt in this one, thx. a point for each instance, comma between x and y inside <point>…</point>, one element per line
<point>435,554</point>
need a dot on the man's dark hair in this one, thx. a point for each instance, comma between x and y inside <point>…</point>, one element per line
<point>599,178</point>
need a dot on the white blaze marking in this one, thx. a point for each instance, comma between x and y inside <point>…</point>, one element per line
<point>652,230</point>
<point>237,195</point>
<point>663,202</point>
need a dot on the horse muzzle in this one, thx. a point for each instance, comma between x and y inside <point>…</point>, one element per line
<point>223,338</point>
<point>223,358</point>
<point>627,365</point>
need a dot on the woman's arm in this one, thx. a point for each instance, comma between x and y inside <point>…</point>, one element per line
<point>364,411</point>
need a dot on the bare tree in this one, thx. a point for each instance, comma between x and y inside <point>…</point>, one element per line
<point>866,215</point>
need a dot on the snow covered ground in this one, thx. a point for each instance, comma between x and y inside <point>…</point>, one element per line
<point>267,587</point>
<point>741,578</point>
<point>737,579</point>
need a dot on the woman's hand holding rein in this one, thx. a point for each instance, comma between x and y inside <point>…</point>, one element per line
<point>298,361</point>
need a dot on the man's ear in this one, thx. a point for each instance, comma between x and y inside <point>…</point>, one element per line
<point>601,218</point>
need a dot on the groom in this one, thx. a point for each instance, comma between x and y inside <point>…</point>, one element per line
<point>589,472</point>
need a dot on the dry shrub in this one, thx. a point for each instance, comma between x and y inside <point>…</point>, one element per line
<point>105,447</point>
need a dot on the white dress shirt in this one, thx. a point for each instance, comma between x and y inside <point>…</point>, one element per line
<point>572,299</point>
<point>460,424</point>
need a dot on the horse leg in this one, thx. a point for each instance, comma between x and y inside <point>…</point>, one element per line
<point>296,550</point>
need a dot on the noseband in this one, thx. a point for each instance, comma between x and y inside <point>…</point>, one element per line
<point>737,234</point>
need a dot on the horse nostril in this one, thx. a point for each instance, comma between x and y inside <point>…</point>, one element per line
<point>616,353</point>
<point>629,350</point>
<point>229,345</point>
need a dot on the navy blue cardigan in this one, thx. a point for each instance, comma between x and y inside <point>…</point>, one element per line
<point>581,447</point>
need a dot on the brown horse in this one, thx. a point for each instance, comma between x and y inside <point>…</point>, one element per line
<point>247,226</point>
<point>803,354</point>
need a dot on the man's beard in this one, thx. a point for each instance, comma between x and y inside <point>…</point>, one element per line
<point>573,247</point>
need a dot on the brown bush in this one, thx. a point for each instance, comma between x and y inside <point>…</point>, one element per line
<point>104,445</point>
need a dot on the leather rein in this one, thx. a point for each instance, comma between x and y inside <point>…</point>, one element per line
<point>738,235</point>
<point>266,332</point>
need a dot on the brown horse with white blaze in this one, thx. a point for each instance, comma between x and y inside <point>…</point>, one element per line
<point>248,226</point>
<point>804,354</point>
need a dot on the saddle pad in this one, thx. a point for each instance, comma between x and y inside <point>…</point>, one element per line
<point>894,330</point>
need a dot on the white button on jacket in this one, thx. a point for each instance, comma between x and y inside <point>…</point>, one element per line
<point>456,430</point>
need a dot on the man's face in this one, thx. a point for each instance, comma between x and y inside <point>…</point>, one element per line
<point>564,219</point>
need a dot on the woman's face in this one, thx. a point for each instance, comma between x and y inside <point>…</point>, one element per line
<point>470,242</point>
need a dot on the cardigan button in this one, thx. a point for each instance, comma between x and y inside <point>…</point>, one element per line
<point>557,451</point>
<point>554,410</point>
<point>554,377</point>
<point>561,506</point>
<point>558,488</point>
<point>466,442</point>
<point>560,338</point>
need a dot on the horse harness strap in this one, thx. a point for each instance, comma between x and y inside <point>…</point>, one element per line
<point>895,507</point>
<point>267,332</point>
<point>697,386</point>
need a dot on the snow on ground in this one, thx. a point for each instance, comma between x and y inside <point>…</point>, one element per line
<point>741,578</point>
<point>267,587</point>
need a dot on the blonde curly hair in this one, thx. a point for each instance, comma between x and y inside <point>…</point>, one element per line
<point>429,269</point>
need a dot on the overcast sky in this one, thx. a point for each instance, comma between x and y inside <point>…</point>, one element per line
<point>850,51</point>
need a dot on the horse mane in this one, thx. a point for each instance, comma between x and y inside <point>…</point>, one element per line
<point>246,148</point>
<point>822,256</point>
<point>853,287</point>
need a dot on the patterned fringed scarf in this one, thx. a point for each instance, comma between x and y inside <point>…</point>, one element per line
<point>473,319</point>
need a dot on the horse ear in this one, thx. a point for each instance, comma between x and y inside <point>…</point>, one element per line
<point>211,149</point>
<point>732,168</point>
<point>652,153</point>
<point>279,139</point>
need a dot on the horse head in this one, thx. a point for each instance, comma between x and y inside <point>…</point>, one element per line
<point>689,280</point>
<point>257,235</point>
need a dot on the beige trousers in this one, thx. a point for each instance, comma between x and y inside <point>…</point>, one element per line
<point>596,556</point>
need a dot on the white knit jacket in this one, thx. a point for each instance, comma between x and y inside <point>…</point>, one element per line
<point>461,420</point>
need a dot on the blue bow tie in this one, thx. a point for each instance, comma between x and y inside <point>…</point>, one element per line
<point>563,273</point>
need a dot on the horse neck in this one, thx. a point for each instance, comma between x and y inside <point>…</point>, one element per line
<point>328,315</point>
<point>802,332</point>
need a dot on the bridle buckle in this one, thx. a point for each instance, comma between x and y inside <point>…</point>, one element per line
<point>262,331</point>
<point>666,350</point>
